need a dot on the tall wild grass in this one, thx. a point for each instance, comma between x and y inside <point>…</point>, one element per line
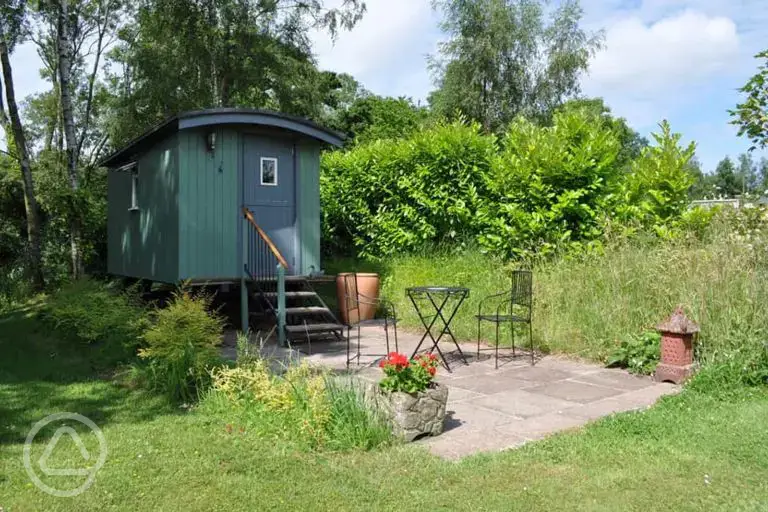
<point>585,306</point>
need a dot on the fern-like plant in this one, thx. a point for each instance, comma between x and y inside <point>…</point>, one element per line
<point>182,345</point>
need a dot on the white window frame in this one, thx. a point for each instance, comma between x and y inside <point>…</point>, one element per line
<point>134,188</point>
<point>261,170</point>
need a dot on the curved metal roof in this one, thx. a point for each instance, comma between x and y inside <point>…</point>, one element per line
<point>221,116</point>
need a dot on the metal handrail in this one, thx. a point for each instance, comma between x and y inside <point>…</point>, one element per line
<point>268,241</point>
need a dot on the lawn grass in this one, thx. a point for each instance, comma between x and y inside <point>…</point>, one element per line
<point>690,452</point>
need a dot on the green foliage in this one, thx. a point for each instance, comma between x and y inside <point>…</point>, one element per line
<point>394,195</point>
<point>726,181</point>
<point>697,221</point>
<point>303,405</point>
<point>639,354</point>
<point>747,367</point>
<point>408,376</point>
<point>655,194</point>
<point>370,118</point>
<point>354,421</point>
<point>94,312</point>
<point>630,141</point>
<point>751,116</point>
<point>553,184</point>
<point>182,345</point>
<point>585,304</point>
<point>543,190</point>
<point>250,53</point>
<point>506,58</point>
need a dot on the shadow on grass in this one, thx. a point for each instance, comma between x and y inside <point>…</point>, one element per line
<point>41,375</point>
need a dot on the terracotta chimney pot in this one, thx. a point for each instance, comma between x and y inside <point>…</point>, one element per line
<point>677,333</point>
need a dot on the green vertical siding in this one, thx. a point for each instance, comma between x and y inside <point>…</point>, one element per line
<point>144,243</point>
<point>209,205</point>
<point>308,205</point>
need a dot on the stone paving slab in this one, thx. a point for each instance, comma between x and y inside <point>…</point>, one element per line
<point>488,384</point>
<point>538,427</point>
<point>456,445</point>
<point>615,379</point>
<point>522,403</point>
<point>493,410</point>
<point>575,391</point>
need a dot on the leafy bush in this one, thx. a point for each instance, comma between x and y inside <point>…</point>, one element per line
<point>389,196</point>
<point>553,184</point>
<point>372,118</point>
<point>182,345</point>
<point>98,313</point>
<point>14,285</point>
<point>541,191</point>
<point>654,194</point>
<point>303,405</point>
<point>407,376</point>
<point>639,354</point>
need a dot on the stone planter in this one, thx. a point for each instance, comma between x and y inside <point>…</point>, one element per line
<point>415,415</point>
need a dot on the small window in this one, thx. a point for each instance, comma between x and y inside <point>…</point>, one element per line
<point>134,188</point>
<point>269,171</point>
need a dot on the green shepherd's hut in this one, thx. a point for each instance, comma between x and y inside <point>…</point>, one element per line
<point>226,197</point>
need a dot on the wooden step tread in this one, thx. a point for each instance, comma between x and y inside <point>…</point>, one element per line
<point>272,295</point>
<point>307,310</point>
<point>288,279</point>
<point>298,329</point>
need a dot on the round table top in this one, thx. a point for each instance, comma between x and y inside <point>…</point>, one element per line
<point>437,289</point>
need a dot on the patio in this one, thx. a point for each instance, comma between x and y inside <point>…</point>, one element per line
<point>492,410</point>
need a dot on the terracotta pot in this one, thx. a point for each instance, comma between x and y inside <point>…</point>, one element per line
<point>368,286</point>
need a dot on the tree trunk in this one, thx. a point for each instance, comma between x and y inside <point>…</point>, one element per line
<point>65,65</point>
<point>30,201</point>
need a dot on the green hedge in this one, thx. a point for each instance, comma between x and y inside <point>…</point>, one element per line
<point>538,190</point>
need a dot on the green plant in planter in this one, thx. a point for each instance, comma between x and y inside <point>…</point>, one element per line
<point>408,376</point>
<point>639,354</point>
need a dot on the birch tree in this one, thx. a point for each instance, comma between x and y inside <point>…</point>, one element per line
<point>72,37</point>
<point>509,58</point>
<point>12,16</point>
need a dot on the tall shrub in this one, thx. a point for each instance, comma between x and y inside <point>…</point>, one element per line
<point>554,184</point>
<point>182,345</point>
<point>395,195</point>
<point>654,194</point>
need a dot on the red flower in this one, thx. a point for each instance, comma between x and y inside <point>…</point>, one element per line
<point>398,361</point>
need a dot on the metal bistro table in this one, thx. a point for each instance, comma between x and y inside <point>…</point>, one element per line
<point>439,298</point>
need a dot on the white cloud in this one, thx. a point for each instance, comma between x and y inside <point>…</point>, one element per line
<point>646,60</point>
<point>384,48</point>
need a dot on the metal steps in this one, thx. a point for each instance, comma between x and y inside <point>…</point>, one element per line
<point>290,295</point>
<point>305,310</point>
<point>306,314</point>
<point>313,328</point>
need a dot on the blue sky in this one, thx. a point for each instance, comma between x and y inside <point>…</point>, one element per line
<point>681,60</point>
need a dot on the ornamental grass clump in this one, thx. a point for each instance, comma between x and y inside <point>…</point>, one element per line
<point>408,376</point>
<point>302,405</point>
